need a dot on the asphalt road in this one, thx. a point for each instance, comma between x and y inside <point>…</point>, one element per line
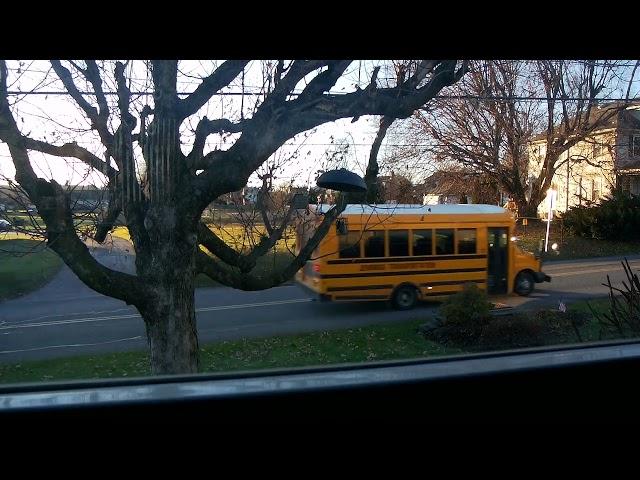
<point>67,318</point>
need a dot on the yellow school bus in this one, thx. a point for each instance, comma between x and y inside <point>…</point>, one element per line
<point>408,253</point>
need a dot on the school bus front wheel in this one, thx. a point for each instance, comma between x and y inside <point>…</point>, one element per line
<point>524,284</point>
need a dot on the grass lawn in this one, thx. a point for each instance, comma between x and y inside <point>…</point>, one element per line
<point>25,265</point>
<point>383,342</point>
<point>393,341</point>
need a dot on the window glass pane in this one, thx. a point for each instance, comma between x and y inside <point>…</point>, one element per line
<point>374,243</point>
<point>350,245</point>
<point>444,241</point>
<point>398,243</point>
<point>467,240</point>
<point>422,242</point>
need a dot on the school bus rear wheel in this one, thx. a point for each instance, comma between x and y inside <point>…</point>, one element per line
<point>405,297</point>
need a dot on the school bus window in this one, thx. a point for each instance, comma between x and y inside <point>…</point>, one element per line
<point>350,245</point>
<point>467,240</point>
<point>444,241</point>
<point>422,242</point>
<point>398,243</point>
<point>374,243</point>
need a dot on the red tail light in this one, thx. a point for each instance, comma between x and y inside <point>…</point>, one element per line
<point>316,268</point>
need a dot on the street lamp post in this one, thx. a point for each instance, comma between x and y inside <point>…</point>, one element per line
<point>551,199</point>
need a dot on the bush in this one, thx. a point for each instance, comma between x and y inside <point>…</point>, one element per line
<point>616,218</point>
<point>463,316</point>
<point>623,315</point>
<point>469,305</point>
<point>531,329</point>
<point>580,220</point>
<point>512,331</point>
<point>465,321</point>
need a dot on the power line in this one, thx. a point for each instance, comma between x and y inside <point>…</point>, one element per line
<point>295,94</point>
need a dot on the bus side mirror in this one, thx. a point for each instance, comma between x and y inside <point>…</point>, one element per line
<point>341,226</point>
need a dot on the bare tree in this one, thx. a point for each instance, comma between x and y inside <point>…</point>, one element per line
<point>415,72</point>
<point>163,203</point>
<point>499,106</point>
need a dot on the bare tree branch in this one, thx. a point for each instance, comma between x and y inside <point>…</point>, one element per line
<point>221,77</point>
<point>53,205</point>
<point>244,262</point>
<point>264,135</point>
<point>244,281</point>
<point>71,150</point>
<point>98,119</point>
<point>208,127</point>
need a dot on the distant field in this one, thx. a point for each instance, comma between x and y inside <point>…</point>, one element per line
<point>236,237</point>
<point>25,265</point>
<point>23,222</point>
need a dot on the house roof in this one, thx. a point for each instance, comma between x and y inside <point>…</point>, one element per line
<point>444,183</point>
<point>629,118</point>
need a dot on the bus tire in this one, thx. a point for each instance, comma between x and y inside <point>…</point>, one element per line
<point>405,297</point>
<point>524,284</point>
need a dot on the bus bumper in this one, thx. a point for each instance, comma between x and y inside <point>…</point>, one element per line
<point>541,277</point>
<point>312,293</point>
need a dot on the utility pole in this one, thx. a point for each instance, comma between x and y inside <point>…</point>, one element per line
<point>568,176</point>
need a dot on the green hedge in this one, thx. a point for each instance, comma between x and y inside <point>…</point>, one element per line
<point>616,218</point>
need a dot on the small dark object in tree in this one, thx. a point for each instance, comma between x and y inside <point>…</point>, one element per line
<point>342,180</point>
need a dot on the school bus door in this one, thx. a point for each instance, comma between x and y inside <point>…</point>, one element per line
<point>498,260</point>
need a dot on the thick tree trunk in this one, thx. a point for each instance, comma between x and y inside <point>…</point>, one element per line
<point>527,209</point>
<point>168,269</point>
<point>530,208</point>
<point>171,328</point>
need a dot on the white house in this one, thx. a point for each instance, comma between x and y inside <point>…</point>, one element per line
<point>596,165</point>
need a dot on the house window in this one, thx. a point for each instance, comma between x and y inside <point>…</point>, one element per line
<point>635,145</point>
<point>595,190</point>
<point>598,150</point>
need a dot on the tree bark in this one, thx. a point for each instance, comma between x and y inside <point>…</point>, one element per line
<point>171,328</point>
<point>168,269</point>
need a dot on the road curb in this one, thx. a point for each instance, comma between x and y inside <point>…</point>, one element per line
<point>594,259</point>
